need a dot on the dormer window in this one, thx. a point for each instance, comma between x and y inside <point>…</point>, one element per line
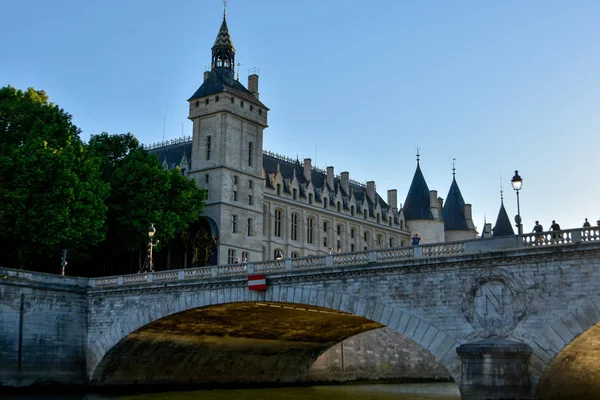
<point>279,189</point>
<point>295,194</point>
<point>310,198</point>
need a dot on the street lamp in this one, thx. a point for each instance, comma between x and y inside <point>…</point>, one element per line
<point>517,183</point>
<point>151,231</point>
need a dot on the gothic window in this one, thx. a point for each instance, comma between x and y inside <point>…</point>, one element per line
<point>309,230</point>
<point>208,143</point>
<point>234,220</point>
<point>230,256</point>
<point>249,229</point>
<point>278,223</point>
<point>294,232</point>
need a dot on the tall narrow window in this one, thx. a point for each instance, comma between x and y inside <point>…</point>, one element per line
<point>366,236</point>
<point>352,210</point>
<point>278,223</point>
<point>234,220</point>
<point>249,154</point>
<point>325,226</point>
<point>245,256</point>
<point>365,213</point>
<point>352,247</point>
<point>208,145</point>
<point>339,206</point>
<point>294,232</point>
<point>249,232</point>
<point>250,200</point>
<point>339,229</point>
<point>309,230</point>
<point>206,178</point>
<point>235,196</point>
<point>279,188</point>
<point>249,184</point>
<point>295,194</point>
<point>310,198</point>
<point>230,256</point>
<point>352,233</point>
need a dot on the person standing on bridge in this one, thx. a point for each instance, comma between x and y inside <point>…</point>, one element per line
<point>416,239</point>
<point>538,228</point>
<point>555,227</point>
<point>586,224</point>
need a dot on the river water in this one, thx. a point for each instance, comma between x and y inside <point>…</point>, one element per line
<point>416,391</point>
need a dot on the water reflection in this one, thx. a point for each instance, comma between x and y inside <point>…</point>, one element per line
<point>421,391</point>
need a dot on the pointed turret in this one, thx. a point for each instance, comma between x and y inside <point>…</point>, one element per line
<point>458,224</point>
<point>422,209</point>
<point>503,226</point>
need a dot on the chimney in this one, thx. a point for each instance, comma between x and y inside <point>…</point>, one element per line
<point>330,177</point>
<point>206,74</point>
<point>345,179</point>
<point>392,199</point>
<point>487,230</point>
<point>468,212</point>
<point>253,84</point>
<point>433,204</point>
<point>307,169</point>
<point>371,190</point>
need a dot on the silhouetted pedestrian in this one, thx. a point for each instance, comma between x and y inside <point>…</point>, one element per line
<point>416,239</point>
<point>586,224</point>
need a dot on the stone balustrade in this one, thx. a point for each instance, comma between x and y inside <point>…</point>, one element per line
<point>552,238</point>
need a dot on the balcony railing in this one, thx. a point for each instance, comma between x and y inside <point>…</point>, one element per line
<point>549,239</point>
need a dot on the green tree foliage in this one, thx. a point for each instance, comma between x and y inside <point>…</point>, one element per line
<point>51,192</point>
<point>142,192</point>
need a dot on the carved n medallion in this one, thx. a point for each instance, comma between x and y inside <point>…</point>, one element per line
<point>494,303</point>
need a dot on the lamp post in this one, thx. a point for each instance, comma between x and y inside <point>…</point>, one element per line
<point>517,183</point>
<point>151,231</point>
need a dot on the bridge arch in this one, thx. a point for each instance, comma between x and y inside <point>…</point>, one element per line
<point>555,347</point>
<point>441,345</point>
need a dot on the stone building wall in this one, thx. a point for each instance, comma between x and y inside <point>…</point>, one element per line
<point>376,355</point>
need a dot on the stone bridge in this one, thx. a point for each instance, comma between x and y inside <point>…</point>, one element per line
<point>496,313</point>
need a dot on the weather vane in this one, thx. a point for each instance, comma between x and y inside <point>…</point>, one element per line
<point>224,7</point>
<point>454,167</point>
<point>418,155</point>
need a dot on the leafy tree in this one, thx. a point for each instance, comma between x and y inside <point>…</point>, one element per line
<point>142,192</point>
<point>51,194</point>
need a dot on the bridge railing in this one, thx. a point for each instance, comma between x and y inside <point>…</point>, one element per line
<point>552,238</point>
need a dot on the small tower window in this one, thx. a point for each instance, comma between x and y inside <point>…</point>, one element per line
<point>365,214</point>
<point>206,101</point>
<point>249,231</point>
<point>279,188</point>
<point>352,210</point>
<point>294,194</point>
<point>232,100</point>
<point>260,111</point>
<point>339,206</point>
<point>310,198</point>
<point>216,99</point>
<point>197,103</point>
<point>206,178</point>
<point>208,143</point>
<point>250,200</point>
<point>251,107</point>
<point>242,104</point>
<point>234,223</point>
<point>249,154</point>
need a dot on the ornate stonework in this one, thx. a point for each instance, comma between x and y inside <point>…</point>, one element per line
<point>494,303</point>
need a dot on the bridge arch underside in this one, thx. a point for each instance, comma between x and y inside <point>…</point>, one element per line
<point>243,343</point>
<point>575,371</point>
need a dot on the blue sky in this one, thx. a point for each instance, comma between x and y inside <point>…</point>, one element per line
<point>498,86</point>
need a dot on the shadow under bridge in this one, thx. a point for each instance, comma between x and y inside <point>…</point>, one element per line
<point>245,343</point>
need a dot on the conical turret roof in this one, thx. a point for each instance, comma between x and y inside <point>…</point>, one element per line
<point>453,213</point>
<point>416,205</point>
<point>503,226</point>
<point>223,37</point>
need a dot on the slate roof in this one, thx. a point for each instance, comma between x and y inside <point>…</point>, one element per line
<point>318,178</point>
<point>503,225</point>
<point>416,205</point>
<point>453,213</point>
<point>173,153</point>
<point>223,37</point>
<point>220,80</point>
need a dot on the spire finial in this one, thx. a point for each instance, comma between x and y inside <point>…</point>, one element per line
<point>453,167</point>
<point>418,155</point>
<point>224,8</point>
<point>501,190</point>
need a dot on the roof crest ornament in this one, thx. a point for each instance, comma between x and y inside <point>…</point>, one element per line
<point>224,8</point>
<point>418,155</point>
<point>501,191</point>
<point>453,167</point>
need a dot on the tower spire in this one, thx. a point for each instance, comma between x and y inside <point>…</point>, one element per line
<point>453,168</point>
<point>418,155</point>
<point>223,52</point>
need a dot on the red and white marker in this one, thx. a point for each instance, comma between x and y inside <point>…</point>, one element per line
<point>257,282</point>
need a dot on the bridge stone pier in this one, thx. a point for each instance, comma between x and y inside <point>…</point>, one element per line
<point>504,316</point>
